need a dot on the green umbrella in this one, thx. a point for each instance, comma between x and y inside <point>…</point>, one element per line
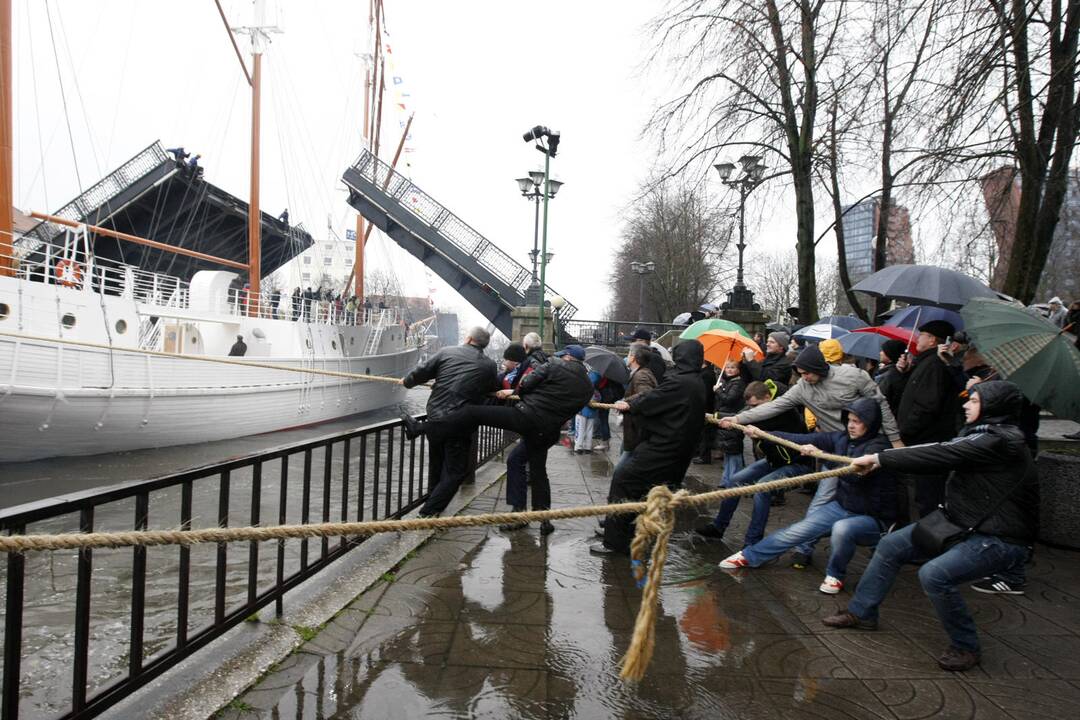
<point>701,326</point>
<point>1029,351</point>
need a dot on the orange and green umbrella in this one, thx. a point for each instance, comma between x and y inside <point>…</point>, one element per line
<point>724,345</point>
<point>701,326</point>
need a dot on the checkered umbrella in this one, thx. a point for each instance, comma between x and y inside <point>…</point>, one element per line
<point>1029,351</point>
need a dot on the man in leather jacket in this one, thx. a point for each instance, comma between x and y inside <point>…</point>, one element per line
<point>463,376</point>
<point>992,492</point>
<point>550,396</point>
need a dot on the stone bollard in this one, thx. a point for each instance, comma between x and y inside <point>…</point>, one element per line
<point>1059,499</point>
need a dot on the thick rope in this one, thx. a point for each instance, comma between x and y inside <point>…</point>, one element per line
<point>654,526</point>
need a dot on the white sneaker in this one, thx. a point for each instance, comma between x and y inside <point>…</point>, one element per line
<point>600,445</point>
<point>831,586</point>
<point>734,562</point>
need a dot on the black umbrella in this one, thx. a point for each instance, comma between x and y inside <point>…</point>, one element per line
<point>608,364</point>
<point>924,284</point>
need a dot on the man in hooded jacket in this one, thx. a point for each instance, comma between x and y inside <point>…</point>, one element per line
<point>992,490</point>
<point>670,418</point>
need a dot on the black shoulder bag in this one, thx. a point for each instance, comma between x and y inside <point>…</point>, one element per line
<point>936,533</point>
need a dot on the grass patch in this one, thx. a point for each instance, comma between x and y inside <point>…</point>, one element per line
<point>389,577</point>
<point>308,633</point>
<point>252,618</point>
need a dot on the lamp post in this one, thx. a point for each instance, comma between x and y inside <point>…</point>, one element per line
<point>740,297</point>
<point>642,269</point>
<point>531,190</point>
<point>547,142</point>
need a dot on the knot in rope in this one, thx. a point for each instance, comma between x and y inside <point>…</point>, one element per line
<point>654,526</point>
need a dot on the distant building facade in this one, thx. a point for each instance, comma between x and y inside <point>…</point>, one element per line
<point>326,263</point>
<point>1061,275</point>
<point>860,226</point>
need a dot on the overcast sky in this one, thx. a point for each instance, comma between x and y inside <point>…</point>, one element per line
<point>478,74</point>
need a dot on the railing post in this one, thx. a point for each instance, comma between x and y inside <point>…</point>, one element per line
<point>13,620</point>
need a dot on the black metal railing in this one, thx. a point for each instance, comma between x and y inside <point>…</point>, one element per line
<point>608,333</point>
<point>105,622</point>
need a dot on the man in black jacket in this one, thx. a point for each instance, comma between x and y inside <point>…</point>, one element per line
<point>708,434</point>
<point>889,376</point>
<point>927,408</point>
<point>463,376</point>
<point>550,396</point>
<point>993,489</point>
<point>670,418</point>
<point>776,366</point>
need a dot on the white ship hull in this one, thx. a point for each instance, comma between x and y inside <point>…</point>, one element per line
<point>61,398</point>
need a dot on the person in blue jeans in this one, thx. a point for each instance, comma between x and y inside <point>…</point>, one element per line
<point>992,491</point>
<point>776,462</point>
<point>863,508</point>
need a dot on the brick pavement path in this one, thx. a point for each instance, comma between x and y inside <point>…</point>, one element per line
<point>482,623</point>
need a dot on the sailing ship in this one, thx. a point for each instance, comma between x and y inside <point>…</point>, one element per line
<point>102,354</point>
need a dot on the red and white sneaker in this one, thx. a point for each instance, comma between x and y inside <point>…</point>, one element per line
<point>734,562</point>
<point>831,586</point>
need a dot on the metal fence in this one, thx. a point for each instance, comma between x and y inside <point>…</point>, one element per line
<point>84,629</point>
<point>608,333</point>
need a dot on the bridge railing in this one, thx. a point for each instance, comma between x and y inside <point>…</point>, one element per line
<point>608,333</point>
<point>84,629</point>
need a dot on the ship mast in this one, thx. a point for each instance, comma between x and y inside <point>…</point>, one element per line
<point>7,258</point>
<point>259,32</point>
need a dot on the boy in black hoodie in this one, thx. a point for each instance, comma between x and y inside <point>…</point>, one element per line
<point>863,509</point>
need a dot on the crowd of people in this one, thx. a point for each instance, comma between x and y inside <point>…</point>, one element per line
<point>942,445</point>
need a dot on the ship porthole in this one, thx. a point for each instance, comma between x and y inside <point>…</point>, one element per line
<point>308,343</point>
<point>68,320</point>
<point>4,311</point>
<point>121,326</point>
<point>352,341</point>
<point>333,344</point>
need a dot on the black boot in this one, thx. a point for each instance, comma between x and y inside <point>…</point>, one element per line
<point>510,526</point>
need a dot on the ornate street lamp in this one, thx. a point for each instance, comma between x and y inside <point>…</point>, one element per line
<point>532,189</point>
<point>740,297</point>
<point>642,269</point>
<point>547,142</point>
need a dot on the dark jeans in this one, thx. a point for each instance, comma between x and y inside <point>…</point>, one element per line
<point>448,464</point>
<point>976,557</point>
<point>759,471</point>
<point>517,477</point>
<point>536,440</point>
<point>708,437</point>
<point>603,425</point>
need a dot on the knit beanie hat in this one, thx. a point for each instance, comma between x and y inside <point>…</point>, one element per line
<point>781,338</point>
<point>893,349</point>
<point>831,350</point>
<point>515,352</point>
<point>811,360</point>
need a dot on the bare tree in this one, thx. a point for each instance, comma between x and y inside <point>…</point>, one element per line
<point>775,279</point>
<point>757,72</point>
<point>678,228</point>
<point>1010,93</point>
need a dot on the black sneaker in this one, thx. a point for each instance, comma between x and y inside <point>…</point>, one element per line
<point>710,531</point>
<point>801,561</point>
<point>546,528</point>
<point>996,585</point>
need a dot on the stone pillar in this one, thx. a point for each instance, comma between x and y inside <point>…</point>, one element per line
<point>753,321</point>
<point>527,319</point>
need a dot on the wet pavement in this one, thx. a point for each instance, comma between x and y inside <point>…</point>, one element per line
<point>485,623</point>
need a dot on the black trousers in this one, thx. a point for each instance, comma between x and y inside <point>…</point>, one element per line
<point>537,440</point>
<point>630,486</point>
<point>448,465</point>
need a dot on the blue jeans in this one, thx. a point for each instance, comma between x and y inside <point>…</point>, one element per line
<point>976,557</point>
<point>759,471</point>
<point>732,465</point>
<point>603,428</point>
<point>848,530</point>
<point>826,491</point>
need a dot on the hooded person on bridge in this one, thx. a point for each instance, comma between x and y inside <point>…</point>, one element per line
<point>670,419</point>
